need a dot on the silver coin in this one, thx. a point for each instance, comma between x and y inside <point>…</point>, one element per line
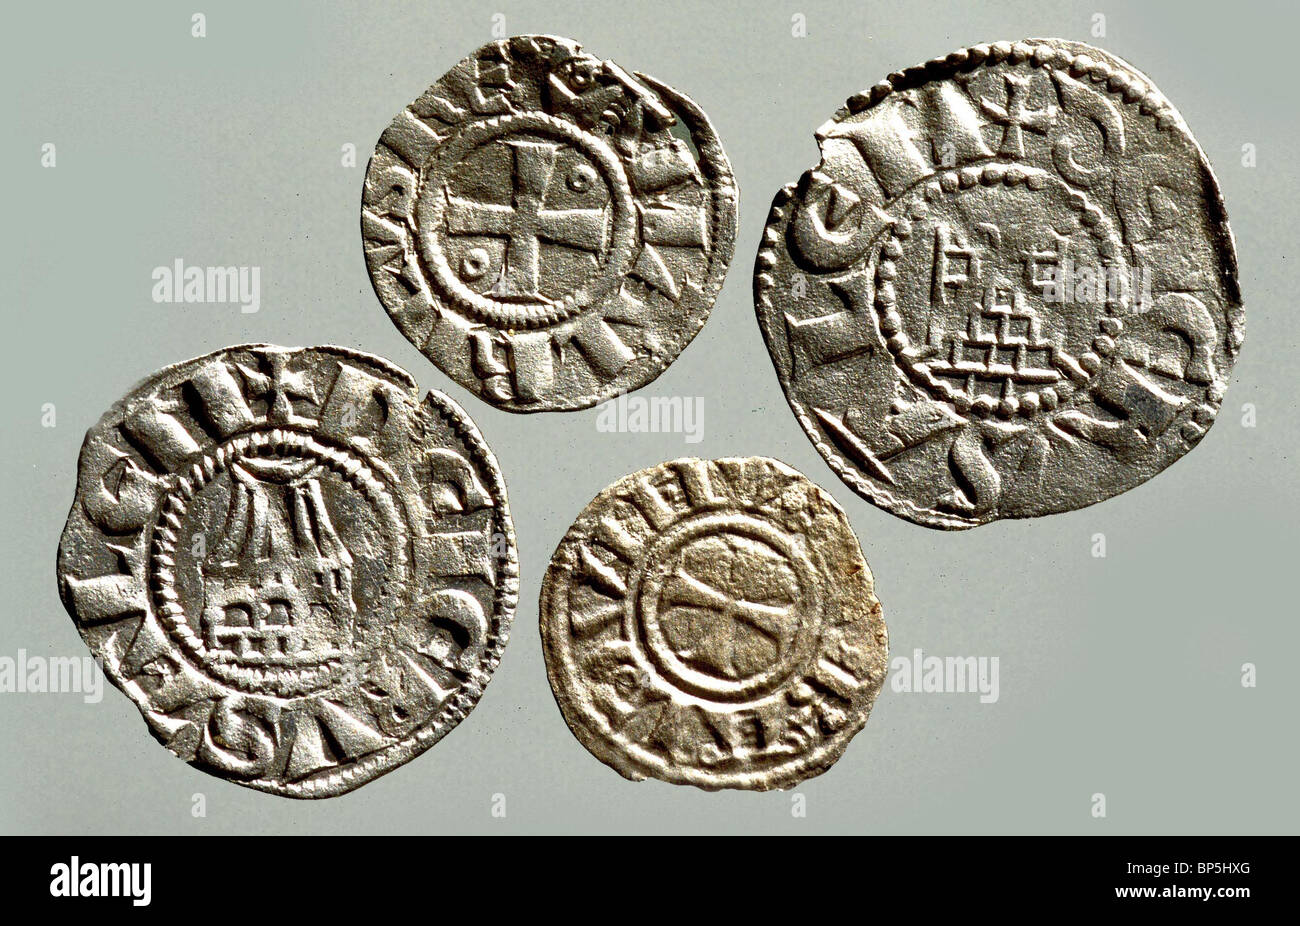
<point>1008,289</point>
<point>713,623</point>
<point>547,227</point>
<point>302,574</point>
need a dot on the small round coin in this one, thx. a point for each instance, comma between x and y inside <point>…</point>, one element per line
<point>1008,289</point>
<point>548,228</point>
<point>713,623</point>
<point>302,574</point>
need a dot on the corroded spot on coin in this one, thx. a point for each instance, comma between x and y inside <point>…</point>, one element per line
<point>1008,289</point>
<point>548,228</point>
<point>302,574</point>
<point>713,623</point>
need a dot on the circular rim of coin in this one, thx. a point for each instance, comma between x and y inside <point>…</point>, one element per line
<point>283,450</point>
<point>834,439</point>
<point>530,352</point>
<point>807,677</point>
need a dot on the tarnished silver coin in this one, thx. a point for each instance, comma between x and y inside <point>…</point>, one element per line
<point>302,574</point>
<point>1008,289</point>
<point>547,227</point>
<point>713,623</point>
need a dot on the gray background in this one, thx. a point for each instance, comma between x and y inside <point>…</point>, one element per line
<point>1118,675</point>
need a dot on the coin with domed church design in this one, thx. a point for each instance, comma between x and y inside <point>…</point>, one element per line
<point>713,623</point>
<point>1008,289</point>
<point>547,227</point>
<point>300,572</point>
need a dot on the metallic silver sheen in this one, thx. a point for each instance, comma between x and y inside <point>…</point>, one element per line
<point>548,228</point>
<point>302,574</point>
<point>1008,289</point>
<point>713,623</point>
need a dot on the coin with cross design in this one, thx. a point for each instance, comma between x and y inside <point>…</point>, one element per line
<point>300,572</point>
<point>547,227</point>
<point>1008,289</point>
<point>713,623</point>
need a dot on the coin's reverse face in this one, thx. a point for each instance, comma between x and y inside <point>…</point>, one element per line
<point>302,574</point>
<point>1008,289</point>
<point>713,623</point>
<point>548,228</point>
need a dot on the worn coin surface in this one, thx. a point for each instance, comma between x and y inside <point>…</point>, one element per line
<point>547,227</point>
<point>713,623</point>
<point>1008,289</point>
<point>302,574</point>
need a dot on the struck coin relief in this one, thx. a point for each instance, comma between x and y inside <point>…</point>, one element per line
<point>301,574</point>
<point>1007,290</point>
<point>713,623</point>
<point>538,224</point>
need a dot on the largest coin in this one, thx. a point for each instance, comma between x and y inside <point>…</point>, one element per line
<point>547,227</point>
<point>302,574</point>
<point>1008,289</point>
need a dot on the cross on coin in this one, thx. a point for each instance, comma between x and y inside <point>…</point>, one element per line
<point>527,222</point>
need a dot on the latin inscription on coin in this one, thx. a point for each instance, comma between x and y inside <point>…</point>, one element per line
<point>1009,288</point>
<point>713,623</point>
<point>301,574</point>
<point>539,225</point>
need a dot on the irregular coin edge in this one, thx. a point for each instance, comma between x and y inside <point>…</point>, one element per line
<point>779,778</point>
<point>373,765</point>
<point>723,190</point>
<point>941,68</point>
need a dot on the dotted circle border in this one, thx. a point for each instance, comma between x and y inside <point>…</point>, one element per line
<point>458,706</point>
<point>891,323</point>
<point>762,684</point>
<point>305,682</point>
<point>1134,90</point>
<point>505,315</point>
<point>808,762</point>
<point>720,196</point>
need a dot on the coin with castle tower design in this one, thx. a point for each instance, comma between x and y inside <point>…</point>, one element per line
<point>1008,289</point>
<point>302,574</point>
<point>547,227</point>
<point>713,623</point>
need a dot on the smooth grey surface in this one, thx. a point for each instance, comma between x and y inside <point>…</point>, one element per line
<point>1118,675</point>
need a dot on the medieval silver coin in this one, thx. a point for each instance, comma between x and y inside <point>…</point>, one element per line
<point>713,623</point>
<point>547,227</point>
<point>1008,289</point>
<point>302,574</point>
